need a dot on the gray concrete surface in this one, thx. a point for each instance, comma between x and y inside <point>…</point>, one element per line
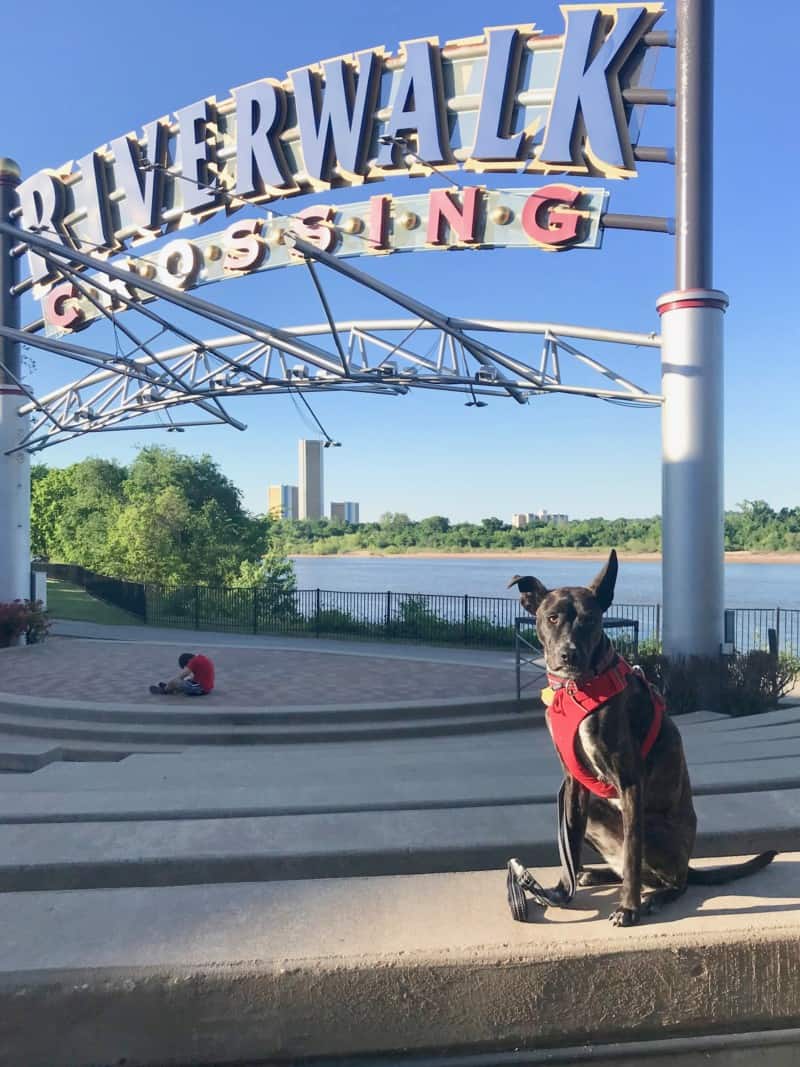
<point>188,848</point>
<point>199,902</point>
<point>220,974</point>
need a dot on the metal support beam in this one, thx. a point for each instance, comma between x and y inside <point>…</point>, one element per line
<point>482,353</point>
<point>15,487</point>
<point>692,365</point>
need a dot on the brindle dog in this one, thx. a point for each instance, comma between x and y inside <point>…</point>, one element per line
<point>647,835</point>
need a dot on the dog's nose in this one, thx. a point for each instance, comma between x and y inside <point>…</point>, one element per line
<point>568,654</point>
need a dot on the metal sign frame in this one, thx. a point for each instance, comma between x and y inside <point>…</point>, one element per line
<point>386,113</point>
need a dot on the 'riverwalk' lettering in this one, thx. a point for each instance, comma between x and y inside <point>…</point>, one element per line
<point>511,99</point>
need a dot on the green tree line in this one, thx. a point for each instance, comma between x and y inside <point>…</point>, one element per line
<point>754,526</point>
<point>172,519</point>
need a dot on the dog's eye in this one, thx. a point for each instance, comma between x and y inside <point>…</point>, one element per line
<point>552,618</point>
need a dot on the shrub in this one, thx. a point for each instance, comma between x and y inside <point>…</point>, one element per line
<point>744,684</point>
<point>23,618</point>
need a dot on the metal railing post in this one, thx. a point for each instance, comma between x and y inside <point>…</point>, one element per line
<point>517,655</point>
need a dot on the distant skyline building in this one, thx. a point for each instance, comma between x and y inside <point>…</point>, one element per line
<point>282,501</point>
<point>345,511</point>
<point>521,519</point>
<point>554,519</point>
<point>311,499</point>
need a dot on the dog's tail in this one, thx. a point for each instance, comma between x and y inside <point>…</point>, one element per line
<point>721,875</point>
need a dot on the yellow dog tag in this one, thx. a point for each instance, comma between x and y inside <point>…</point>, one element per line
<point>548,696</point>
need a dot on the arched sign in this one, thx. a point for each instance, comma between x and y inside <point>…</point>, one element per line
<point>511,100</point>
<point>558,110</point>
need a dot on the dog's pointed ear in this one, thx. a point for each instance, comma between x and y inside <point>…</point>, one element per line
<point>603,585</point>
<point>532,591</point>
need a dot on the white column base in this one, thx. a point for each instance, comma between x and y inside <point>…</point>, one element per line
<point>15,501</point>
<point>692,471</point>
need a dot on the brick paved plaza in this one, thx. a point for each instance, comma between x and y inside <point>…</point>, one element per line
<point>247,676</point>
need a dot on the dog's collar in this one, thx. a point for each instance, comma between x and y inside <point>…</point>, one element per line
<point>607,661</point>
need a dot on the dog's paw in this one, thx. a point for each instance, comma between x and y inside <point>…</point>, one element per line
<point>594,877</point>
<point>624,916</point>
<point>558,896</point>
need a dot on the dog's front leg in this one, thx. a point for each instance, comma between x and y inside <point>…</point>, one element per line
<point>576,809</point>
<point>630,901</point>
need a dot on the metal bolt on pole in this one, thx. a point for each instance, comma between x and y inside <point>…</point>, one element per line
<point>15,490</point>
<point>692,365</point>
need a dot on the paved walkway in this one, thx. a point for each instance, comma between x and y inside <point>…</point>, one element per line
<point>101,664</point>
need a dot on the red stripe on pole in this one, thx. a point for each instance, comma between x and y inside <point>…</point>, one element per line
<point>11,390</point>
<point>708,302</point>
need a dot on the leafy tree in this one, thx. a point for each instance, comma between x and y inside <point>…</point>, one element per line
<point>273,578</point>
<point>199,478</point>
<point>167,519</point>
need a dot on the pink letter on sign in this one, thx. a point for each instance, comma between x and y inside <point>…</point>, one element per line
<point>244,246</point>
<point>61,309</point>
<point>378,220</point>
<point>546,216</point>
<point>310,226</point>
<point>442,208</point>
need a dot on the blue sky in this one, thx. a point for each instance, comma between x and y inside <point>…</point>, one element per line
<point>104,69</point>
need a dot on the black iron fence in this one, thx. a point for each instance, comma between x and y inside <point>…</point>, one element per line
<point>477,621</point>
<point>464,620</point>
<point>130,596</point>
<point>750,628</point>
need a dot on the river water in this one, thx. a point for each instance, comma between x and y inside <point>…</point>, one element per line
<point>747,585</point>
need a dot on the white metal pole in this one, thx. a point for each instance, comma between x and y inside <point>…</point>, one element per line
<point>15,553</point>
<point>692,364</point>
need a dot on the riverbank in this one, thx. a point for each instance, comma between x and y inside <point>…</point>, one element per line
<point>543,553</point>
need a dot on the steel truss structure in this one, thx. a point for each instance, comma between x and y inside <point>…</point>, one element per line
<point>125,390</point>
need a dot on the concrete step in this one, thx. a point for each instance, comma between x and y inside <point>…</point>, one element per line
<point>24,755</point>
<point>782,716</point>
<point>505,766</point>
<point>247,973</point>
<point>153,711</point>
<point>20,723</point>
<point>166,851</point>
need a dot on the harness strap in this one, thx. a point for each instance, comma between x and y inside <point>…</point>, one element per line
<point>659,707</point>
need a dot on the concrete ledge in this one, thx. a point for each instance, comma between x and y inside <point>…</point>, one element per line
<point>225,974</point>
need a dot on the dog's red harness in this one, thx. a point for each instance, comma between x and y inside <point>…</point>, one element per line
<point>573,702</point>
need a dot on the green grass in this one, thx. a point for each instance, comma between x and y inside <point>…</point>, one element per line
<point>65,601</point>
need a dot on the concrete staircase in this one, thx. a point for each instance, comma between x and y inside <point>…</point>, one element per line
<point>254,900</point>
